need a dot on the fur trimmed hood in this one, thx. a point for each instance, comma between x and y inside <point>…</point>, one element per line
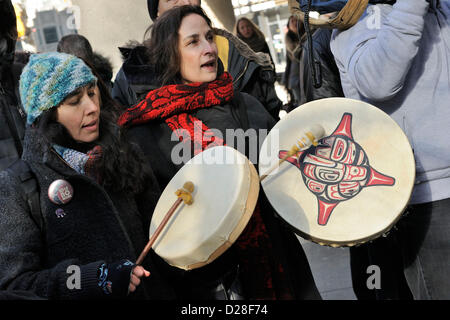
<point>263,59</point>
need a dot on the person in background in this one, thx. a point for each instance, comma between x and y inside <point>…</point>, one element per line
<point>104,68</point>
<point>291,76</point>
<point>248,32</point>
<point>331,82</point>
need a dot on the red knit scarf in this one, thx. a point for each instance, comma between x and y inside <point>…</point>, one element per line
<point>172,104</point>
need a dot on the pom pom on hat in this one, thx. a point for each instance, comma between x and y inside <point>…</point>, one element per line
<point>48,78</point>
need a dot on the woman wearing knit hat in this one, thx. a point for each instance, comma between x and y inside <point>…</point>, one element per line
<point>94,192</point>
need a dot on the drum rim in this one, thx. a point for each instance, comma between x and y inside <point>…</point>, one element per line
<point>358,241</point>
<point>346,17</point>
<point>342,244</point>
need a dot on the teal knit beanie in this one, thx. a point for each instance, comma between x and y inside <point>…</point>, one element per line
<point>48,79</point>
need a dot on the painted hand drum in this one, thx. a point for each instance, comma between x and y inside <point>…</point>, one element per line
<point>226,187</point>
<point>353,185</point>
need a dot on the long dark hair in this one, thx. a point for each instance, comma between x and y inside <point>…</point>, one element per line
<point>162,47</point>
<point>122,166</point>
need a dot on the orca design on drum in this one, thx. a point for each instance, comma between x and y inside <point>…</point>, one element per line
<point>337,169</point>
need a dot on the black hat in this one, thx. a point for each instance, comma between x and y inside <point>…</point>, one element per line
<point>8,17</point>
<point>153,8</point>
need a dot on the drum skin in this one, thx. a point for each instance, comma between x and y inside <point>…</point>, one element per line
<point>353,186</point>
<point>226,191</point>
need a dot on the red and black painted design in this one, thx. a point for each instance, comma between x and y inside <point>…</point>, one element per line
<point>337,169</point>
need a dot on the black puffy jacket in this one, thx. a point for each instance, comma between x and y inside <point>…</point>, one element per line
<point>12,117</point>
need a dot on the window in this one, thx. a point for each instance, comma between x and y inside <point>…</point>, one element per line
<point>50,35</point>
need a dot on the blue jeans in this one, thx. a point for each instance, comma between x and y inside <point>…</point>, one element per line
<point>414,259</point>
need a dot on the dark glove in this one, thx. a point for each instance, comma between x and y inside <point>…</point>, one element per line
<point>114,278</point>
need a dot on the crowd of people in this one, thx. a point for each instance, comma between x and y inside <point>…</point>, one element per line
<point>108,143</point>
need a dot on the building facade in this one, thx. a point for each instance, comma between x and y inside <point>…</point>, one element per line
<point>50,26</point>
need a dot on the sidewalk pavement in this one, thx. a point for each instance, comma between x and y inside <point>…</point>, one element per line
<point>331,270</point>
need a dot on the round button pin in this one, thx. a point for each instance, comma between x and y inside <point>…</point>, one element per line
<point>60,192</point>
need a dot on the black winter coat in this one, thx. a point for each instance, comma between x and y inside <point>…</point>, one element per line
<point>97,226</point>
<point>12,116</point>
<point>331,81</point>
<point>154,138</point>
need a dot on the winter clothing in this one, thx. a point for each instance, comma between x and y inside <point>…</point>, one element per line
<point>195,96</point>
<point>402,66</point>
<point>112,277</point>
<point>291,76</point>
<point>54,75</point>
<point>12,116</point>
<point>257,44</point>
<point>326,6</point>
<point>267,259</point>
<point>257,41</point>
<point>397,82</point>
<point>75,235</point>
<point>104,69</point>
<point>83,163</point>
<point>79,46</point>
<point>252,73</point>
<point>331,82</point>
<point>96,227</point>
